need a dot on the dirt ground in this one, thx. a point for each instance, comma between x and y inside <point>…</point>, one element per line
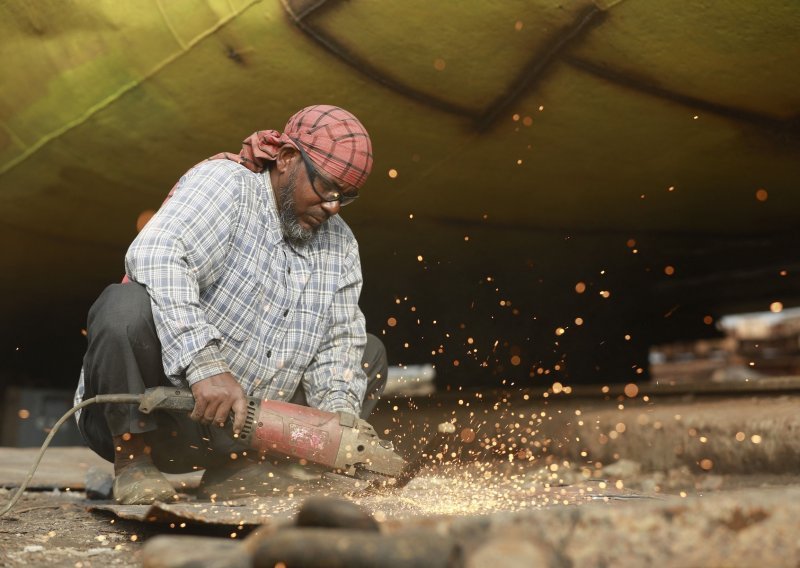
<point>53,528</point>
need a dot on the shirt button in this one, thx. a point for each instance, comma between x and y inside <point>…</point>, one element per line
<point>286,313</point>
<point>269,353</point>
<point>290,270</point>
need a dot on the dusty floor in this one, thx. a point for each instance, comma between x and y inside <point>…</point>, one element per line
<point>55,529</point>
<point>735,503</point>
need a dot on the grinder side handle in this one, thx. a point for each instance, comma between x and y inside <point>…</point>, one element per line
<point>166,398</point>
<point>182,400</point>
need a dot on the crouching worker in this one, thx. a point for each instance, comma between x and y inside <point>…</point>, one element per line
<point>245,283</point>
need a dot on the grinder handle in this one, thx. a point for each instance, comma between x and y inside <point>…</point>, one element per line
<point>166,398</point>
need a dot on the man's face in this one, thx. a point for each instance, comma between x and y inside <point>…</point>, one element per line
<point>303,201</point>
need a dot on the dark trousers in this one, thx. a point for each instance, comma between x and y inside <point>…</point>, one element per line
<point>124,356</point>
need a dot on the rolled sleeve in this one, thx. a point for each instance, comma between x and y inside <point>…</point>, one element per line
<point>206,363</point>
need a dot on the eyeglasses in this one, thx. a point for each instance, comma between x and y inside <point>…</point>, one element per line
<point>329,193</point>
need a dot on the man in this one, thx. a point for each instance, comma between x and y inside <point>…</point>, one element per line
<point>245,282</point>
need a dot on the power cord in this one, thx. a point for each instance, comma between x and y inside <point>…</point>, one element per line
<point>99,399</point>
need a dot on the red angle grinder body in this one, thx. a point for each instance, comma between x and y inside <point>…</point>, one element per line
<point>335,440</point>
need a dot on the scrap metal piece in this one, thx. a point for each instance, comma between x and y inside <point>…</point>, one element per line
<point>330,512</point>
<point>171,551</point>
<point>320,547</point>
<point>241,512</point>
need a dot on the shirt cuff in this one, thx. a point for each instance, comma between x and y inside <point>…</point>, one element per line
<point>206,363</point>
<point>336,402</point>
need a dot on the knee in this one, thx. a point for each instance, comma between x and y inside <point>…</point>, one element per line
<point>119,309</point>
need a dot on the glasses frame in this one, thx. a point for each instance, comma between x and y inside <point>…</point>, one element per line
<point>340,197</point>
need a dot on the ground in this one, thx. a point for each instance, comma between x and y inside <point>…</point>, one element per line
<point>736,513</point>
<point>54,529</point>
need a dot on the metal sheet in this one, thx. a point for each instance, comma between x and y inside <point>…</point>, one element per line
<point>396,506</point>
<point>243,512</point>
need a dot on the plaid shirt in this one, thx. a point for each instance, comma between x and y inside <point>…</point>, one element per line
<point>229,294</point>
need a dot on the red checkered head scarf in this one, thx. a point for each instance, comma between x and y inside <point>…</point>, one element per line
<point>333,138</point>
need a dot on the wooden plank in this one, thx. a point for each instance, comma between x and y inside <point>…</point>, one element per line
<point>65,468</point>
<point>61,467</point>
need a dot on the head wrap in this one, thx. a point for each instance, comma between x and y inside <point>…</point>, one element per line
<point>333,138</point>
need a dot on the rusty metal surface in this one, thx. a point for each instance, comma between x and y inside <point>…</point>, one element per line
<point>440,494</point>
<point>242,512</point>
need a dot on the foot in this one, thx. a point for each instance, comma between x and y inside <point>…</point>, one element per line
<point>141,483</point>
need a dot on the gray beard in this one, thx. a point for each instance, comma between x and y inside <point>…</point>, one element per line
<point>292,230</point>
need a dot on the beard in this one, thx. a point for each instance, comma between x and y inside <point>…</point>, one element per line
<point>292,230</point>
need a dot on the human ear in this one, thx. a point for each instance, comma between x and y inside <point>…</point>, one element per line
<point>286,155</point>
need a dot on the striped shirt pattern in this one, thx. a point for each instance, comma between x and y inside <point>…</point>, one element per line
<point>230,294</point>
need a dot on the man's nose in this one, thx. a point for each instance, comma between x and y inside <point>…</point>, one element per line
<point>331,207</point>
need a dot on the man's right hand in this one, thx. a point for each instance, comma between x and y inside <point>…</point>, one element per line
<point>215,397</point>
